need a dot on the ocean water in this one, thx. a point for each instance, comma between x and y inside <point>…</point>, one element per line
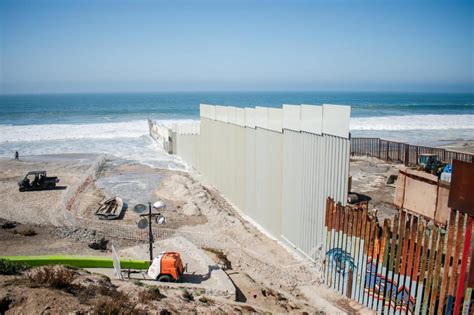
<point>116,123</point>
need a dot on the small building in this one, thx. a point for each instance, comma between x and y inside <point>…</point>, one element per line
<point>423,194</point>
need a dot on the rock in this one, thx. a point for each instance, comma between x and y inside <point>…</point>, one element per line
<point>190,209</point>
<point>391,179</point>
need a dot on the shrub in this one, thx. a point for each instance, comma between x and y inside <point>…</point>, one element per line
<point>7,267</point>
<point>206,300</point>
<point>107,305</point>
<point>111,301</point>
<point>187,296</point>
<point>26,232</point>
<point>151,293</point>
<point>57,277</point>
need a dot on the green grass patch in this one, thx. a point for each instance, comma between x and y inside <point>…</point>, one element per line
<point>8,267</point>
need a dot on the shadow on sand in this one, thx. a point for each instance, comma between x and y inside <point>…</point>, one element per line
<point>42,189</point>
<point>197,278</point>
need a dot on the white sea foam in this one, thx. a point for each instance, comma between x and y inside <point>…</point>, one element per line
<point>126,140</point>
<point>413,122</point>
<point>130,140</point>
<point>138,128</point>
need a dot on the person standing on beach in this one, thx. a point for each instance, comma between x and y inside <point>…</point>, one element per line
<point>17,155</point>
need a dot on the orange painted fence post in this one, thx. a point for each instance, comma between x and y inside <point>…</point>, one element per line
<point>411,267</point>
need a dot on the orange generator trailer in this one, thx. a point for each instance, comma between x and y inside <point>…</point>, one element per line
<point>166,267</point>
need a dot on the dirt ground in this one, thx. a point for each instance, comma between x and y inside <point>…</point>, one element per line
<point>369,177</point>
<point>191,208</point>
<point>44,207</point>
<point>252,296</point>
<point>135,184</point>
<point>93,293</point>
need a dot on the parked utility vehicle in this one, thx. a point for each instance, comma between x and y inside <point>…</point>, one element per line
<point>37,180</point>
<point>166,267</point>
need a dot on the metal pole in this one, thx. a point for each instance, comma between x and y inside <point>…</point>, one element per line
<point>150,233</point>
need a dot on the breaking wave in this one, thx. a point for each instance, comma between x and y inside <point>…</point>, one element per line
<point>413,122</point>
<point>125,140</point>
<point>129,129</point>
<point>138,128</point>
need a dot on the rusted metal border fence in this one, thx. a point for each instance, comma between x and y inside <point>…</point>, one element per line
<point>403,266</point>
<point>402,152</point>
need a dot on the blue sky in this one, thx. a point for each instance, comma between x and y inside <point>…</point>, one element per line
<point>128,46</point>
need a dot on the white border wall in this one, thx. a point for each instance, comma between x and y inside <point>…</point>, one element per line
<point>277,165</point>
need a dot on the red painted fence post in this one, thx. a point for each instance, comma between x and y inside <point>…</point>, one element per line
<point>462,273</point>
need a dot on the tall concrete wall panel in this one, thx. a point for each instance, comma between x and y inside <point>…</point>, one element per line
<point>277,166</point>
<point>292,186</point>
<point>268,179</point>
<point>188,148</point>
<point>250,170</point>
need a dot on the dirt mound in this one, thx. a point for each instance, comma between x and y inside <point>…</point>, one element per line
<point>84,292</point>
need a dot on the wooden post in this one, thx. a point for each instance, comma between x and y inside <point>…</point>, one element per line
<point>410,258</point>
<point>454,274</point>
<point>447,262</point>
<point>383,257</point>
<point>391,271</point>
<point>469,297</point>
<point>399,151</point>
<point>434,290</point>
<point>379,147</point>
<point>416,263</point>
<point>328,237</point>
<point>403,260</point>
<point>417,148</point>
<point>429,277</point>
<point>423,273</point>
<point>462,274</point>
<point>349,245</point>
<point>407,155</point>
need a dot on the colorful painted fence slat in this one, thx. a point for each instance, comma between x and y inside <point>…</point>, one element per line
<point>402,266</point>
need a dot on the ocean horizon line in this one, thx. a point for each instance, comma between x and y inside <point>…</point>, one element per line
<point>387,92</point>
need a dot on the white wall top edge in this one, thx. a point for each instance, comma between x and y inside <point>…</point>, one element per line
<point>292,117</point>
<point>240,116</point>
<point>261,117</point>
<point>211,112</point>
<point>275,119</point>
<point>204,110</point>
<point>192,128</point>
<point>207,111</point>
<point>221,113</point>
<point>329,119</point>
<point>312,119</point>
<point>231,114</point>
<point>336,120</point>
<point>249,117</point>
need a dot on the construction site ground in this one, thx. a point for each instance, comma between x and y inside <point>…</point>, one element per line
<point>253,262</point>
<point>369,177</point>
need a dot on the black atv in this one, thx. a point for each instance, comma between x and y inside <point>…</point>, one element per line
<point>37,180</point>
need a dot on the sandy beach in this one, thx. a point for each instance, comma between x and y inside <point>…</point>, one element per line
<point>461,146</point>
